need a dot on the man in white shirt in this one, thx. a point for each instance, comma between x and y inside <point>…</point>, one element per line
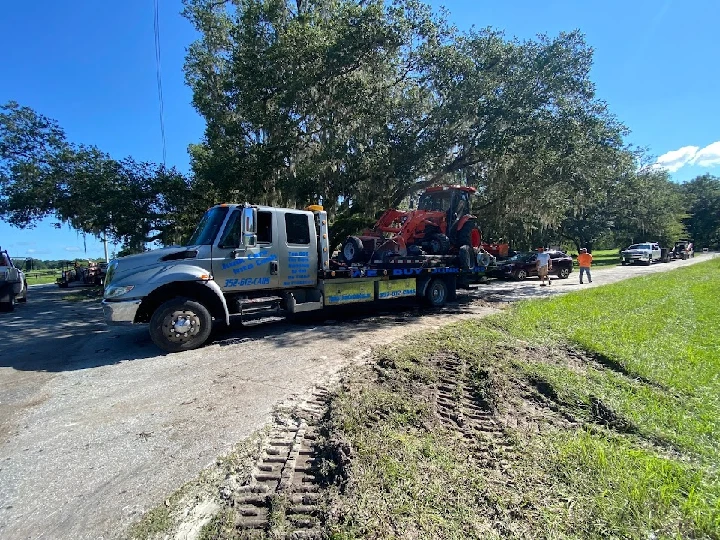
<point>543,265</point>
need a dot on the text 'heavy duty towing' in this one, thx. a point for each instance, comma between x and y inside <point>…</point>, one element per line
<point>258,261</point>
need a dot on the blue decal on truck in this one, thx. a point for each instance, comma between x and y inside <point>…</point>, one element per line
<point>247,282</point>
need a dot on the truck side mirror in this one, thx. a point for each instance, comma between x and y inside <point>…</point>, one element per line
<point>249,227</point>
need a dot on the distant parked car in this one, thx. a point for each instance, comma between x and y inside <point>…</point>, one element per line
<point>522,265</point>
<point>683,250</point>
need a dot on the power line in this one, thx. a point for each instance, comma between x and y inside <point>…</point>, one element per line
<point>159,78</point>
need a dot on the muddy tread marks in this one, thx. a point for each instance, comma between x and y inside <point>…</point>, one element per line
<point>285,486</point>
<point>461,408</point>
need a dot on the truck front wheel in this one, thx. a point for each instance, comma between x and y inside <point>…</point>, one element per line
<point>180,324</point>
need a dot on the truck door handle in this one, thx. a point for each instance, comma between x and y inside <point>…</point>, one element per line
<point>273,268</point>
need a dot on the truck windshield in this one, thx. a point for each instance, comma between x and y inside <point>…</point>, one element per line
<point>209,226</point>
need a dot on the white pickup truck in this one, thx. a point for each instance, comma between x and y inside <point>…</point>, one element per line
<point>13,285</point>
<point>646,253</point>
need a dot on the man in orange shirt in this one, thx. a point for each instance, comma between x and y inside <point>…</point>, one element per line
<point>584,260</point>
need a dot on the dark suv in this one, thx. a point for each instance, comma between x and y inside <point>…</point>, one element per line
<point>522,265</point>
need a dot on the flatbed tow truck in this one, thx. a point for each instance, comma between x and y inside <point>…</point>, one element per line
<point>257,261</point>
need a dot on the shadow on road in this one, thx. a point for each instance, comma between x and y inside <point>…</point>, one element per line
<point>51,334</point>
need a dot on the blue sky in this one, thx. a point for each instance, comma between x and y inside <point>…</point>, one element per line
<point>91,66</point>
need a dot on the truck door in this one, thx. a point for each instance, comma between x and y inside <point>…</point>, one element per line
<point>297,248</point>
<point>656,252</point>
<point>236,268</point>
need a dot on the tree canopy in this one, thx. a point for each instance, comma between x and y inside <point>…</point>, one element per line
<point>359,105</point>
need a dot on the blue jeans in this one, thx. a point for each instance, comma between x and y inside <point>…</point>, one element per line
<point>586,271</point>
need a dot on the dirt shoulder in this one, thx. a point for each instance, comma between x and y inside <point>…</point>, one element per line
<point>97,427</point>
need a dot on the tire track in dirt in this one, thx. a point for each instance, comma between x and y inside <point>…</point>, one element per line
<point>461,408</point>
<point>285,490</point>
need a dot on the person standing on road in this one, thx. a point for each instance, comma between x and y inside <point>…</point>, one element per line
<point>585,261</point>
<point>543,265</point>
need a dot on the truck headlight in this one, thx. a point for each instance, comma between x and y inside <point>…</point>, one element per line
<point>114,291</point>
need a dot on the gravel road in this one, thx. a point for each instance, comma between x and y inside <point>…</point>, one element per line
<point>96,426</point>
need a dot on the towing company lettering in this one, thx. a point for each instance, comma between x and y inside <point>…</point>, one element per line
<point>247,282</point>
<point>397,294</point>
<point>253,260</point>
<point>334,299</point>
<point>299,269</point>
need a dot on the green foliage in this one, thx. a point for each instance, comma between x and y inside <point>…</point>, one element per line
<point>41,174</point>
<point>360,108</point>
<point>703,222</point>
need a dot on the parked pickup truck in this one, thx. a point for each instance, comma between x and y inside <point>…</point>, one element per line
<point>257,262</point>
<point>646,253</point>
<point>13,285</point>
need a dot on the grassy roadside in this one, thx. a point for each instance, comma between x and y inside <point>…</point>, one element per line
<point>41,277</point>
<point>592,415</point>
<point>602,257</point>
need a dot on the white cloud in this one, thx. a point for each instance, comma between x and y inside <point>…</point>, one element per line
<point>708,156</point>
<point>72,248</point>
<point>690,155</point>
<point>675,159</point>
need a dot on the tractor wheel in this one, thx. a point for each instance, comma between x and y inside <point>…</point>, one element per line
<point>439,244</point>
<point>467,258</point>
<point>352,249</point>
<point>469,235</point>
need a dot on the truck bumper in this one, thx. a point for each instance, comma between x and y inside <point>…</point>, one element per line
<point>120,312</point>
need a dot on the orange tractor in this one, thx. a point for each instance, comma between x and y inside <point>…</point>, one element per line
<point>440,225</point>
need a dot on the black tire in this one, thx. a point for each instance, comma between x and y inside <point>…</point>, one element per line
<point>439,244</point>
<point>467,258</point>
<point>649,262</point>
<point>623,263</point>
<point>7,307</point>
<point>436,293</point>
<point>352,249</point>
<point>163,330</point>
<point>24,298</point>
<point>520,275</point>
<point>564,273</point>
<point>464,235</point>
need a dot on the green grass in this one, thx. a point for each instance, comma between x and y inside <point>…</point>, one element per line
<point>601,257</point>
<point>635,364</point>
<point>84,294</point>
<point>39,277</point>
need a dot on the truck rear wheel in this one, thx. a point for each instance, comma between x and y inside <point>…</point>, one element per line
<point>180,324</point>
<point>436,293</point>
<point>24,296</point>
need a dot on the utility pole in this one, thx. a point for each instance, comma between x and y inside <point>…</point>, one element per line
<point>107,259</point>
